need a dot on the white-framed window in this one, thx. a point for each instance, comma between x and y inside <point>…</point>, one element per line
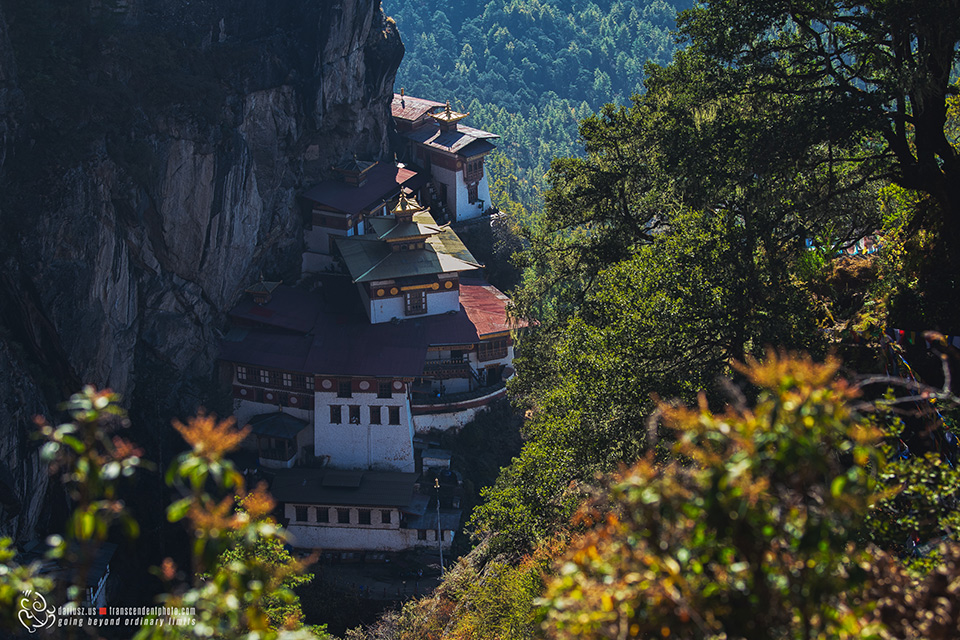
<point>287,379</point>
<point>241,373</point>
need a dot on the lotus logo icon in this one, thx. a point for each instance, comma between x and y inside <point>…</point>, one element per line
<point>34,613</point>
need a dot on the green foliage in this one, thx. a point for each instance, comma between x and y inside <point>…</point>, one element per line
<point>246,591</point>
<point>750,538</point>
<point>487,600</point>
<point>666,322</point>
<point>880,70</point>
<point>283,608</point>
<point>92,460</point>
<point>16,581</point>
<point>530,70</point>
<point>243,576</point>
<point>922,493</point>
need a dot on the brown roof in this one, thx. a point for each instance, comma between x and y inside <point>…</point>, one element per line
<point>344,344</point>
<point>383,183</point>
<point>408,108</point>
<point>374,489</point>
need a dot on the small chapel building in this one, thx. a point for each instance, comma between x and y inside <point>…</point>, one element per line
<point>452,153</point>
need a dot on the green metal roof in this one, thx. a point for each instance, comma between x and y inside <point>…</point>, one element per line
<point>371,258</point>
<point>395,228</point>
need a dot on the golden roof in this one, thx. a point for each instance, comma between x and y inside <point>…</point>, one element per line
<point>448,116</point>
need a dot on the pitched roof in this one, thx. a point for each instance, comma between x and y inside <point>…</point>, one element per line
<point>390,228</point>
<point>340,343</point>
<point>266,348</point>
<point>262,287</point>
<point>369,258</point>
<point>343,342</point>
<point>374,489</point>
<point>448,115</point>
<point>486,306</point>
<point>408,108</point>
<point>453,141</point>
<point>287,310</point>
<point>383,183</point>
<point>277,425</point>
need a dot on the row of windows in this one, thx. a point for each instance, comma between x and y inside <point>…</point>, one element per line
<point>492,349</point>
<point>323,515</point>
<point>272,378</point>
<point>422,534</point>
<point>345,389</point>
<point>353,413</point>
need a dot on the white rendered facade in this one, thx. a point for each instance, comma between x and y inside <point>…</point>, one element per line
<point>386,309</point>
<point>363,443</point>
<point>458,197</point>
<point>376,536</point>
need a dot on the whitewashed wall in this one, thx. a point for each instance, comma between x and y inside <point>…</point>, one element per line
<point>365,445</point>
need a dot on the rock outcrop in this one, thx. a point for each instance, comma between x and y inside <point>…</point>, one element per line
<point>148,171</point>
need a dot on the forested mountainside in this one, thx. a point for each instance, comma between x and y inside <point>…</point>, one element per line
<point>530,70</point>
<point>150,155</point>
<point>711,232</point>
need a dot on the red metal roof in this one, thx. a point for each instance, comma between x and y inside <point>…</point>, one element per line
<point>408,108</point>
<point>486,306</point>
<point>383,183</point>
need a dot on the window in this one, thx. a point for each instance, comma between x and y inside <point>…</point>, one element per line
<point>385,389</point>
<point>335,414</point>
<point>264,376</point>
<point>343,516</point>
<point>301,514</point>
<point>354,414</point>
<point>241,373</point>
<point>374,414</point>
<point>492,349</point>
<point>472,195</point>
<point>287,379</point>
<point>473,171</point>
<point>441,535</point>
<point>345,389</point>
<point>323,514</point>
<point>394,415</point>
<point>421,534</point>
<point>385,516</point>
<point>416,302</point>
<point>363,516</point>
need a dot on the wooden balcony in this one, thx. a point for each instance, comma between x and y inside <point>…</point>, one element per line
<point>448,368</point>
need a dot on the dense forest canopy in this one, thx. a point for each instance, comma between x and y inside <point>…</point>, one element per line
<point>684,255</point>
<point>530,70</point>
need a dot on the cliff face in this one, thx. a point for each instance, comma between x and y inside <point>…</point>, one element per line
<point>150,156</point>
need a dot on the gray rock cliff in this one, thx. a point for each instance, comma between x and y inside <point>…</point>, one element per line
<point>151,152</point>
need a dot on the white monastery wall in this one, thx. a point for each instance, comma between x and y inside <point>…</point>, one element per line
<point>365,445</point>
